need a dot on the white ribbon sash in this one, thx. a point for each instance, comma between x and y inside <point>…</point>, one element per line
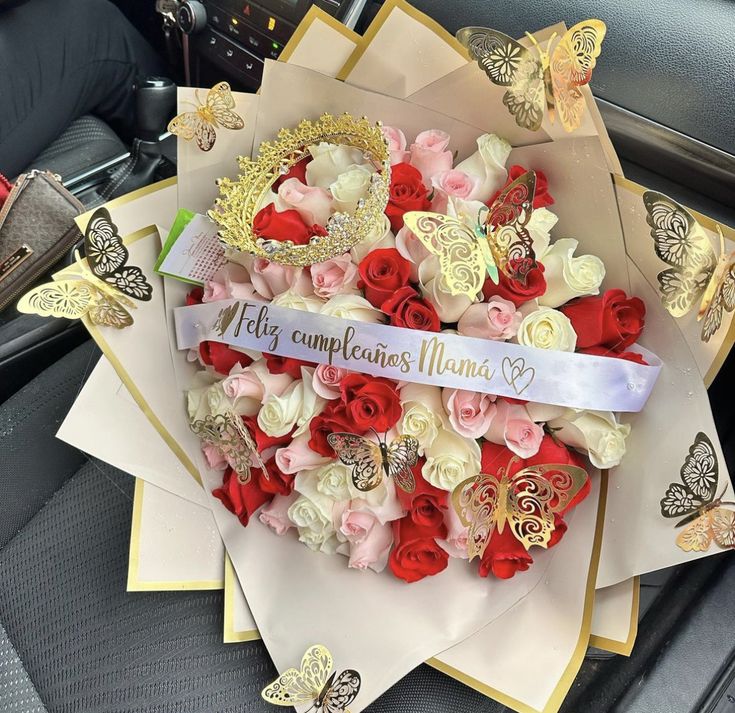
<point>560,378</point>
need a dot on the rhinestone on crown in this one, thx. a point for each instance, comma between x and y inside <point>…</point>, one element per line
<point>240,200</point>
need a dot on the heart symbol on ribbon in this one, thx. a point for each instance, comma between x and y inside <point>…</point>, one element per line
<point>517,374</point>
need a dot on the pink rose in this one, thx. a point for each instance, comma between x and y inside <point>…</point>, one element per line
<point>214,291</point>
<point>396,145</point>
<point>513,428</point>
<point>495,319</point>
<point>470,412</point>
<point>325,381</point>
<point>271,279</point>
<point>336,276</point>
<point>314,205</point>
<point>275,513</point>
<point>429,154</point>
<point>215,459</point>
<point>298,456</point>
<point>411,248</point>
<point>255,382</point>
<point>455,544</point>
<point>370,541</point>
<point>455,183</point>
<point>373,551</point>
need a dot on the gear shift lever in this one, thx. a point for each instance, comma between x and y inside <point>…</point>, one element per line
<point>155,100</point>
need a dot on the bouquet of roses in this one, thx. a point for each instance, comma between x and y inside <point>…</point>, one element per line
<point>387,472</point>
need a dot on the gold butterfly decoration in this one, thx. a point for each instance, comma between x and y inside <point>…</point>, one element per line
<point>230,437</point>
<point>467,255</point>
<point>695,272</point>
<point>102,290</point>
<point>371,461</point>
<point>216,111</point>
<point>544,78</point>
<point>694,497</point>
<point>526,501</point>
<point>327,691</point>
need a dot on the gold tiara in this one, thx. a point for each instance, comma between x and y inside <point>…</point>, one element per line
<point>241,199</point>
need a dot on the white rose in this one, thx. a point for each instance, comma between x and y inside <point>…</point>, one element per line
<point>380,236</point>
<point>450,459</point>
<point>539,227</point>
<point>568,277</point>
<point>351,307</point>
<point>197,405</point>
<point>422,409</point>
<point>279,413</point>
<point>350,187</point>
<point>488,164</point>
<point>332,480</point>
<point>547,328</point>
<point>312,513</point>
<point>597,433</point>
<point>329,161</point>
<point>312,405</point>
<point>306,303</point>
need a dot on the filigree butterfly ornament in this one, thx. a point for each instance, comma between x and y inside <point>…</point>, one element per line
<point>371,461</point>
<point>102,290</point>
<point>526,501</point>
<point>539,78</point>
<point>695,272</point>
<point>216,111</point>
<point>467,254</point>
<point>694,498</point>
<point>315,683</point>
<point>231,438</point>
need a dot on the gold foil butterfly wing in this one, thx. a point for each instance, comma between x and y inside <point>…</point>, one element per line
<point>475,501</point>
<point>571,65</point>
<point>461,260</point>
<point>341,690</point>
<point>231,438</point>
<point>402,455</point>
<point>363,455</point>
<point>508,63</point>
<point>303,685</point>
<point>719,296</point>
<point>70,299</point>
<point>107,257</point>
<point>103,246</point>
<point>681,243</point>
<point>535,495</point>
<point>716,524</point>
<point>201,124</point>
<point>506,221</point>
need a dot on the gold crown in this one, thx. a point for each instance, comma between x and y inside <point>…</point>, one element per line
<point>240,200</point>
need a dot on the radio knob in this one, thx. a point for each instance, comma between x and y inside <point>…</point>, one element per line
<point>191,17</point>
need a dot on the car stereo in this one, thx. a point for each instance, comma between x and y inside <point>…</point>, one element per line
<point>237,36</point>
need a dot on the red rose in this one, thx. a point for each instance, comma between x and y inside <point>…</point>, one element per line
<point>525,281</point>
<point>382,272</point>
<point>426,504</point>
<point>298,170</point>
<point>407,192</point>
<point>271,224</point>
<point>504,556</point>
<point>601,351</point>
<point>611,320</point>
<point>243,500</point>
<point>406,308</point>
<point>541,198</point>
<point>262,439</point>
<point>371,402</point>
<point>285,365</point>
<point>194,297</point>
<point>276,482</point>
<point>416,553</point>
<point>333,419</point>
<point>222,357</point>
